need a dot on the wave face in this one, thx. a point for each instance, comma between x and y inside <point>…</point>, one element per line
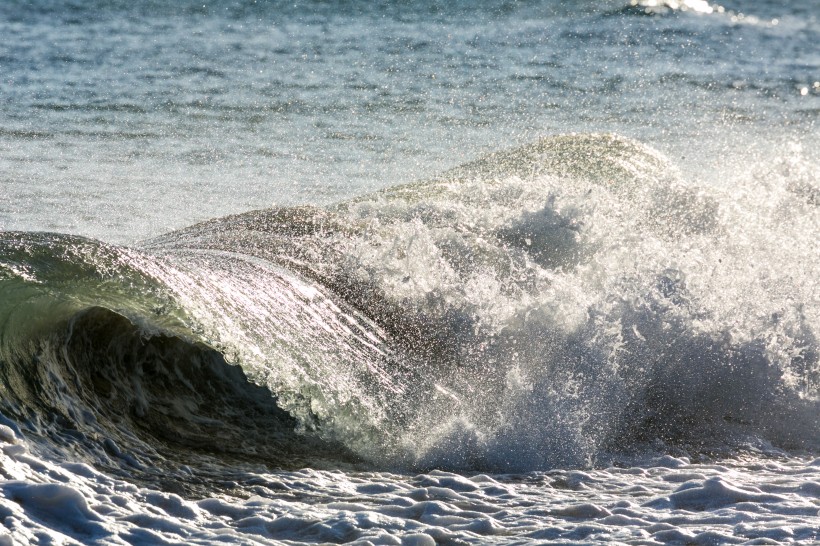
<point>558,304</point>
<point>102,361</point>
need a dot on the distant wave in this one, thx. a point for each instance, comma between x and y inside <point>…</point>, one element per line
<point>553,305</point>
<point>661,7</point>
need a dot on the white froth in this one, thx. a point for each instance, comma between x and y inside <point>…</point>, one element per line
<point>757,500</point>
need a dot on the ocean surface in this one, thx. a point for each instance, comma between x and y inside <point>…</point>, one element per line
<point>491,272</point>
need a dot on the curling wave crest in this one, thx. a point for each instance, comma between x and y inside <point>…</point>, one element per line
<point>561,304</point>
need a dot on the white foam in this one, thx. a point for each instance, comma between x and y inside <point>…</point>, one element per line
<point>755,501</point>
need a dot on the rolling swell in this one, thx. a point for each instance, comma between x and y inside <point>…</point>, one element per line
<point>560,304</point>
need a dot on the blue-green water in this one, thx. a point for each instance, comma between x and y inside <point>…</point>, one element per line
<point>380,273</point>
<point>123,120</point>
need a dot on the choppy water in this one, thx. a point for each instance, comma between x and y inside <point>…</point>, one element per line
<point>497,272</point>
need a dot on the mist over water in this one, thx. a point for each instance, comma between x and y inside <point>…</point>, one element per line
<point>409,274</point>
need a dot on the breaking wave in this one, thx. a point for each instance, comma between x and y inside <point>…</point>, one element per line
<point>558,304</point>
